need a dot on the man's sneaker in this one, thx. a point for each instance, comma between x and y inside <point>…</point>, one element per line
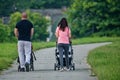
<point>22,69</point>
<point>66,69</point>
<point>27,67</point>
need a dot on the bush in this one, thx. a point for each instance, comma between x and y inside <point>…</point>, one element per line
<point>4,32</point>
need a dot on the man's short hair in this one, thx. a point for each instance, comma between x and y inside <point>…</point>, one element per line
<point>24,15</point>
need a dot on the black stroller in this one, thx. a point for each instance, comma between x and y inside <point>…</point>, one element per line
<point>71,64</point>
<point>33,57</point>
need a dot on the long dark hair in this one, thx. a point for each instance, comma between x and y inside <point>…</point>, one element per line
<point>63,24</point>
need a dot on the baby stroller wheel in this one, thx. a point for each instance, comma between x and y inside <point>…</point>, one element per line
<point>32,67</point>
<point>19,68</point>
<point>58,68</point>
<point>55,66</point>
<point>73,66</point>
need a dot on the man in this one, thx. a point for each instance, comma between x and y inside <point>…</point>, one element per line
<point>24,31</point>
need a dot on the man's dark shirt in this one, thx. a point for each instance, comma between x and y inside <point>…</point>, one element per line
<point>24,30</point>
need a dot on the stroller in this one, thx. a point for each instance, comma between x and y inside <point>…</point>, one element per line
<point>31,66</point>
<point>70,55</point>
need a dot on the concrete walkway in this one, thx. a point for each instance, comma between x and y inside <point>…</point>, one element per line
<point>44,66</point>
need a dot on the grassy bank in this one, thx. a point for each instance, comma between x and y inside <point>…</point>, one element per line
<point>94,40</point>
<point>105,61</point>
<point>8,51</point>
<point>7,54</point>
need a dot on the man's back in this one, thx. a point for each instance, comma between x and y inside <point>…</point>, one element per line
<point>24,29</point>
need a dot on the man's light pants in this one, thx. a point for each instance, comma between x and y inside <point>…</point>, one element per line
<point>24,51</point>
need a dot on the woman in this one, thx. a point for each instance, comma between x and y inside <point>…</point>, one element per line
<point>63,34</point>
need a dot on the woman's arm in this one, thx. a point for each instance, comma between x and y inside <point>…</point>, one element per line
<point>57,32</point>
<point>69,33</point>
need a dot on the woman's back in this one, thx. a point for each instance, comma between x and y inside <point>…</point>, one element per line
<point>63,36</point>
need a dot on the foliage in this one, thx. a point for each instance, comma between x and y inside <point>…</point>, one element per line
<point>10,6</point>
<point>4,32</point>
<point>40,26</point>
<point>6,7</point>
<point>14,18</point>
<point>95,16</point>
<point>56,4</point>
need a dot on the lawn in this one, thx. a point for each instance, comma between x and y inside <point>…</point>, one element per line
<point>8,53</point>
<point>105,61</point>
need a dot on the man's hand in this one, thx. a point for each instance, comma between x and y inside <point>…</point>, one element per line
<point>32,32</point>
<point>16,32</point>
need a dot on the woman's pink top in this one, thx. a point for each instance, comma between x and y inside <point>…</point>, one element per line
<point>63,36</point>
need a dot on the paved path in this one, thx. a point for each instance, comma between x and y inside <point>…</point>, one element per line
<point>44,66</point>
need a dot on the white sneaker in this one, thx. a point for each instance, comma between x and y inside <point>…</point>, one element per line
<point>66,69</point>
<point>61,70</point>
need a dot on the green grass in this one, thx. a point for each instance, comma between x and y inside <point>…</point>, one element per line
<point>105,61</point>
<point>7,54</point>
<point>40,45</point>
<point>95,40</point>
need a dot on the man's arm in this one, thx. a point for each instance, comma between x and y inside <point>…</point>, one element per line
<point>32,32</point>
<point>16,32</point>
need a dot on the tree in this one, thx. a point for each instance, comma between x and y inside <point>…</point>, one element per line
<point>37,4</point>
<point>10,6</point>
<point>6,7</point>
<point>95,16</point>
